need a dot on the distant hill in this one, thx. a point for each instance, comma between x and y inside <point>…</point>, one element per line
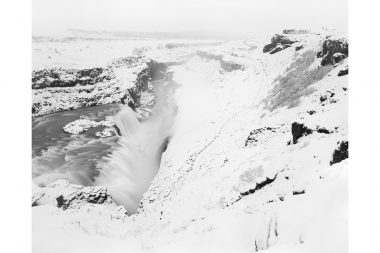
<point>159,35</point>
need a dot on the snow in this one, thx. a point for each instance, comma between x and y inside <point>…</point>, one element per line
<point>213,193</point>
<point>107,132</point>
<point>82,125</point>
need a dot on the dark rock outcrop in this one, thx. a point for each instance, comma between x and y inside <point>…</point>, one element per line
<point>93,195</point>
<point>327,98</point>
<point>254,135</point>
<point>323,130</point>
<point>299,192</point>
<point>66,195</point>
<point>154,71</point>
<point>299,130</point>
<point>278,43</point>
<point>340,153</point>
<point>333,51</point>
<point>259,185</point>
<point>59,89</point>
<point>343,72</point>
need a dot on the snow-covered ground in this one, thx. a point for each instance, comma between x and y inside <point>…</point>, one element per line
<point>255,160</point>
<point>81,53</point>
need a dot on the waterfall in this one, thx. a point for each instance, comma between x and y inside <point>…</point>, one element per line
<point>129,170</point>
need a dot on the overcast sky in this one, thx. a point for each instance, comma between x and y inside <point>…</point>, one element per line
<point>240,16</point>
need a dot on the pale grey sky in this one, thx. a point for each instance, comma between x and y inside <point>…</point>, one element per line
<point>239,16</point>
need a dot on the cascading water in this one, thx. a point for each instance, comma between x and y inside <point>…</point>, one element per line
<point>130,169</point>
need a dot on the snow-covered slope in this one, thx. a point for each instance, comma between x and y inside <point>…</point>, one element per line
<point>256,160</point>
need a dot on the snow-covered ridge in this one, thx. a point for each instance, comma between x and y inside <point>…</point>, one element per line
<point>257,159</point>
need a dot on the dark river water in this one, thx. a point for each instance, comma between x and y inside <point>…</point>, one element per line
<point>59,155</point>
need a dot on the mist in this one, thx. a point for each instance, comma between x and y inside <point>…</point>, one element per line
<point>130,169</point>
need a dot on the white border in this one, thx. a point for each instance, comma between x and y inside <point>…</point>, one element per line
<point>364,87</point>
<point>15,131</point>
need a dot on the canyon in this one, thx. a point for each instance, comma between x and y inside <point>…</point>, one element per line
<point>227,146</point>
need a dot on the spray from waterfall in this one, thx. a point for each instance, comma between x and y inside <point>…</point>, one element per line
<point>130,169</point>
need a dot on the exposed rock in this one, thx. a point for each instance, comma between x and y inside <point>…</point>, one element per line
<point>333,51</point>
<point>65,195</point>
<point>93,195</point>
<point>298,192</point>
<point>278,42</point>
<point>153,71</point>
<point>343,72</point>
<point>299,130</point>
<point>107,132</point>
<point>260,183</point>
<point>322,98</point>
<point>254,135</point>
<point>58,77</point>
<point>37,197</point>
<point>340,153</point>
<point>51,100</point>
<point>279,48</point>
<point>327,98</point>
<point>58,89</point>
<point>323,130</point>
<point>299,48</point>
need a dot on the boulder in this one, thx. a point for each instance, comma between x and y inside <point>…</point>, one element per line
<point>340,153</point>
<point>278,43</point>
<point>299,130</point>
<point>343,72</point>
<point>333,51</point>
<point>65,195</point>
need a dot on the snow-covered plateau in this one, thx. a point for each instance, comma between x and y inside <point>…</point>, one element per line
<point>252,145</point>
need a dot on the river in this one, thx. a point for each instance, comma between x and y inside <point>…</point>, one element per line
<point>126,164</point>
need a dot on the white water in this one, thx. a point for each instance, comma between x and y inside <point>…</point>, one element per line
<point>130,169</point>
